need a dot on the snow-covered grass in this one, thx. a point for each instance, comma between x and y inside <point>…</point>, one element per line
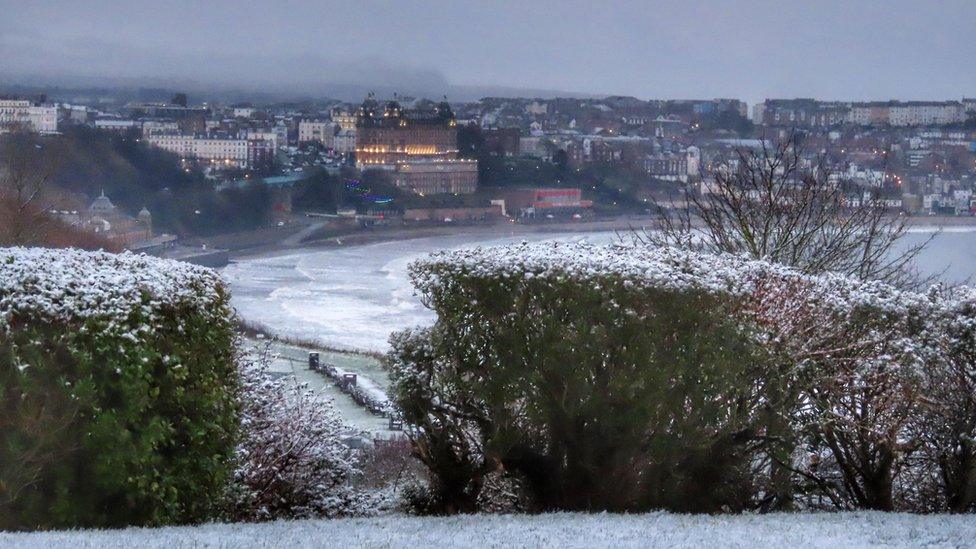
<point>553,530</point>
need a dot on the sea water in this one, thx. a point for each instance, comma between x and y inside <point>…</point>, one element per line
<point>353,297</point>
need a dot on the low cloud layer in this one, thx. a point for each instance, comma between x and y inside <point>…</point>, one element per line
<point>693,48</point>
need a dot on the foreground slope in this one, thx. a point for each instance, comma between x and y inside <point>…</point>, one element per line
<point>552,530</point>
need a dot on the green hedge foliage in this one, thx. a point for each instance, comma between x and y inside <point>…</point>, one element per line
<point>627,379</point>
<point>118,390</point>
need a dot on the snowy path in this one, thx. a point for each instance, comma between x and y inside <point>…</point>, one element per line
<point>864,529</point>
<point>292,360</point>
<point>297,238</point>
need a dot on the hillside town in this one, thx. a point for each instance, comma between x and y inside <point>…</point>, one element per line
<point>530,159</point>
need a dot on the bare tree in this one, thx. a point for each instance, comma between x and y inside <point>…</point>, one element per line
<point>27,165</point>
<point>772,204</point>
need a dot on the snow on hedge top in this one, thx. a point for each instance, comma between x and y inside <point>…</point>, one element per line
<point>74,285</point>
<point>661,268</point>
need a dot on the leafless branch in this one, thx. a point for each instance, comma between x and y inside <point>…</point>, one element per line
<point>775,203</point>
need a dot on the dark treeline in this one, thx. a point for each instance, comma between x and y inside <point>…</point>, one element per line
<point>371,190</point>
<point>135,175</point>
<point>612,187</point>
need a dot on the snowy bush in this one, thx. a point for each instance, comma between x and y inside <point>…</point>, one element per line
<point>118,388</point>
<point>390,463</point>
<point>502,494</point>
<point>846,380</point>
<point>601,382</point>
<point>943,476</point>
<point>446,442</point>
<point>292,460</point>
<point>628,378</point>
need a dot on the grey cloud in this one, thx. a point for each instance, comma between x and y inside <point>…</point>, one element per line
<point>870,49</point>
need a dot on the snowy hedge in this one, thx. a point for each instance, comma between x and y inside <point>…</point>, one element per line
<point>944,428</point>
<point>117,381</point>
<point>621,377</point>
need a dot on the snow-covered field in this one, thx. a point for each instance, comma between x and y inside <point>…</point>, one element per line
<point>555,530</point>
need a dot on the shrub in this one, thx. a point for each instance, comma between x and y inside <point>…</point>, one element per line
<point>944,427</point>
<point>861,389</point>
<point>447,443</point>
<point>389,462</point>
<point>626,378</point>
<point>292,461</point>
<point>600,385</point>
<point>502,494</point>
<point>846,383</point>
<point>118,390</point>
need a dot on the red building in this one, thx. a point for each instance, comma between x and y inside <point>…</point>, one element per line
<point>543,202</point>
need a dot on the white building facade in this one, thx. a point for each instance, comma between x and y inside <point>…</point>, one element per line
<point>312,130</point>
<point>22,112</point>
<point>926,113</point>
<point>345,141</point>
<point>228,152</point>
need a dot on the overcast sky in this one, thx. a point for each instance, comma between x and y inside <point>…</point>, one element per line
<point>750,49</point>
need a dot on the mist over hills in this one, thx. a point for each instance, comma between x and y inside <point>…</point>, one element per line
<point>335,84</point>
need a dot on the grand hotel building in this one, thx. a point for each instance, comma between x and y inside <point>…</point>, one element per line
<point>418,147</point>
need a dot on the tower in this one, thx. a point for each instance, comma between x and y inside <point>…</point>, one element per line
<point>145,219</point>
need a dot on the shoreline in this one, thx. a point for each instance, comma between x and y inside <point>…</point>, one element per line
<point>620,224</point>
<point>374,236</point>
<point>473,232</point>
<point>255,331</point>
